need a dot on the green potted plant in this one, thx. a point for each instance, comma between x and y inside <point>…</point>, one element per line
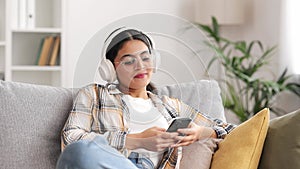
<point>245,94</point>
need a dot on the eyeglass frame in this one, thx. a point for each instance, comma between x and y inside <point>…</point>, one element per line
<point>137,58</point>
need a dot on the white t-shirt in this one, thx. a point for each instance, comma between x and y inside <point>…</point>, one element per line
<point>144,115</point>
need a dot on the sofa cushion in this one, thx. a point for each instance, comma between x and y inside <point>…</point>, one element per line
<point>282,145</point>
<point>32,117</point>
<point>241,149</point>
<point>203,95</point>
<point>204,148</point>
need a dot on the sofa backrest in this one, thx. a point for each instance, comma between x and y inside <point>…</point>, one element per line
<point>32,117</point>
<point>203,95</point>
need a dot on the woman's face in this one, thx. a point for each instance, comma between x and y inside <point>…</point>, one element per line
<point>134,65</point>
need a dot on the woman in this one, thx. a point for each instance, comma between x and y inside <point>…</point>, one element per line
<point>126,117</point>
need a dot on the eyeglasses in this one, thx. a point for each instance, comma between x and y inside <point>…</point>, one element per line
<point>143,59</point>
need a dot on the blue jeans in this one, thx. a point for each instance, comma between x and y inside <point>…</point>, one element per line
<point>95,154</point>
<point>140,161</point>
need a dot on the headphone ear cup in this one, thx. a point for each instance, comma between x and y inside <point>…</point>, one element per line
<point>157,60</point>
<point>107,71</point>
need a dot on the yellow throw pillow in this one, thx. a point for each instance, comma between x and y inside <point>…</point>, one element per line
<point>242,148</point>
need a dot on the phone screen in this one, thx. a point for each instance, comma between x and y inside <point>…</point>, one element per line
<point>179,123</point>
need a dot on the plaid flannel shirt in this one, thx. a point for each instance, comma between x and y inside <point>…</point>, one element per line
<point>100,110</point>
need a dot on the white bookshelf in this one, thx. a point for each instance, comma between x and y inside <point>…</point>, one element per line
<point>36,68</point>
<point>37,30</point>
<point>2,38</point>
<point>23,43</point>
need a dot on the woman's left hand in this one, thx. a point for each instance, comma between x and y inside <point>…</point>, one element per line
<point>192,134</point>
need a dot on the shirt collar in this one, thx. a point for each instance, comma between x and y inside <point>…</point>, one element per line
<point>113,89</point>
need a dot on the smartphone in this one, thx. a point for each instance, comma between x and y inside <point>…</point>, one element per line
<point>179,123</point>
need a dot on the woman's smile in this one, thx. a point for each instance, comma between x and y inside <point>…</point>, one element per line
<point>140,75</point>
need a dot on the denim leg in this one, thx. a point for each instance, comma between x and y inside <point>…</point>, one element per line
<point>140,161</point>
<point>95,154</point>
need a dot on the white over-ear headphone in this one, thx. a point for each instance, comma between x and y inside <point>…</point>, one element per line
<point>106,68</point>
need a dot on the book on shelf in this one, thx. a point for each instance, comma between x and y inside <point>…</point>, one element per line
<point>55,52</point>
<point>49,51</point>
<point>39,51</point>
<point>46,50</point>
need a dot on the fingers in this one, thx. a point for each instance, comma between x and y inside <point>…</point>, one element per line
<point>164,141</point>
<point>199,132</point>
<point>169,135</point>
<point>190,136</point>
<point>169,139</point>
<point>180,144</point>
<point>187,131</point>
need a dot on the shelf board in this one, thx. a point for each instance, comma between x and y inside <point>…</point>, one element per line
<point>36,68</point>
<point>38,30</point>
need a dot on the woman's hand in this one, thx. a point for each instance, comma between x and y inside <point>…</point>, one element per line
<point>152,139</point>
<point>193,134</point>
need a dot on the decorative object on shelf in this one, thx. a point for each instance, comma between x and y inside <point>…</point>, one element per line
<point>244,92</point>
<point>228,12</point>
<point>30,15</point>
<point>26,14</point>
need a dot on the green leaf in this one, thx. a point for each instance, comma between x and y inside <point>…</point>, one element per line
<point>241,46</point>
<point>245,94</point>
<point>237,105</point>
<point>294,87</point>
<point>211,62</point>
<point>216,28</point>
<point>282,78</point>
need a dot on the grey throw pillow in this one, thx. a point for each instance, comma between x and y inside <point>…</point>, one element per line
<point>282,145</point>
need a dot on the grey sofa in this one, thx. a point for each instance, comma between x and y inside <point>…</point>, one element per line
<point>32,117</point>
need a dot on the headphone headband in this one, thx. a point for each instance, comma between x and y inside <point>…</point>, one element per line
<point>106,68</point>
<point>117,31</point>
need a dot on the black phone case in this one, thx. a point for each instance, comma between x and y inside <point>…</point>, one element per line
<point>179,123</point>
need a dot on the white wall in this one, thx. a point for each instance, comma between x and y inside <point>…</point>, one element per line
<point>262,22</point>
<point>84,18</point>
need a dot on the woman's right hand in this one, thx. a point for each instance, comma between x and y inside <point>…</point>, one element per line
<point>152,139</point>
